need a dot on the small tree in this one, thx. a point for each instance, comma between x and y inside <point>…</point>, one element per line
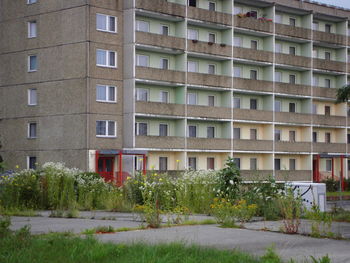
<point>230,180</point>
<point>343,94</point>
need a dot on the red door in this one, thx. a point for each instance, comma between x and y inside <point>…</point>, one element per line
<point>106,168</point>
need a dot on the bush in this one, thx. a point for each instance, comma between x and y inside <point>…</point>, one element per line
<point>230,181</point>
<point>331,185</point>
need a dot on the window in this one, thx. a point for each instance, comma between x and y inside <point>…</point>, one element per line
<point>315,26</point>
<point>328,165</point>
<point>253,74</point>
<point>32,97</point>
<point>278,48</point>
<point>142,26</point>
<point>106,58</point>
<point>211,38</point>
<point>277,105</point>
<point>106,129</point>
<point>141,128</point>
<point>105,93</point>
<point>142,60</point>
<point>32,132</point>
<point>292,21</point>
<point>32,30</point>
<point>192,98</point>
<point>32,63</point>
<point>292,79</point>
<point>192,66</point>
<point>236,103</point>
<point>106,23</point>
<point>192,34</point>
<point>278,19</point>
<point>237,10</point>
<point>212,6</point>
<point>164,30</point>
<point>192,163</point>
<point>253,104</point>
<point>253,14</point>
<point>211,101</point>
<point>31,162</point>
<point>315,81</point>
<point>163,163</point>
<point>328,28</point>
<point>164,63</point>
<point>327,137</point>
<point>31,1</point>
<point>210,163</point>
<point>348,137</point>
<point>292,107</point>
<point>277,135</point>
<point>237,41</point>
<point>278,76</point>
<point>292,136</point>
<point>164,97</point>
<point>237,72</point>
<point>237,162</point>
<point>315,53</point>
<point>314,136</point>
<point>327,55</point>
<point>292,51</point>
<point>141,94</point>
<point>253,164</point>
<point>192,3</point>
<point>138,164</point>
<point>192,131</point>
<point>253,134</point>
<point>163,129</point>
<point>211,69</point>
<point>327,83</point>
<point>210,132</point>
<point>277,164</point>
<point>254,44</point>
<point>237,133</point>
<point>327,110</point>
<point>292,164</point>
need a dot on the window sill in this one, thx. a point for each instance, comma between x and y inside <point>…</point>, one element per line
<point>107,137</point>
<point>106,31</point>
<point>104,66</point>
<point>32,138</point>
<point>32,71</point>
<point>106,101</point>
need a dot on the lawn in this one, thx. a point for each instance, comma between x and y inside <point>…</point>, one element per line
<point>338,193</point>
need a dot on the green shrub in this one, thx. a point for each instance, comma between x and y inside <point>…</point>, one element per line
<point>331,185</point>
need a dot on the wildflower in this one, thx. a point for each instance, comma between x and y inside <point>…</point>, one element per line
<point>17,166</point>
<point>177,161</point>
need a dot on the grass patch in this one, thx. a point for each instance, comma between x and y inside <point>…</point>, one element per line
<point>337,193</point>
<point>18,212</point>
<point>201,222</point>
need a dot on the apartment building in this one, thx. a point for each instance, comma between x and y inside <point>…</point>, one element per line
<point>118,86</point>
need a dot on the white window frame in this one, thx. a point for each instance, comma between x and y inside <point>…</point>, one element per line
<point>30,103</point>
<point>237,10</point>
<point>278,19</point>
<point>214,100</point>
<point>29,136</point>
<point>211,3</point>
<point>167,129</point>
<point>238,99</point>
<point>108,52</point>
<point>28,161</point>
<point>138,95</point>
<point>32,33</point>
<point>214,132</point>
<point>29,68</point>
<point>193,63</point>
<point>138,128</point>
<point>107,90</point>
<point>138,28</point>
<point>214,67</point>
<point>195,97</point>
<point>214,36</point>
<point>138,56</point>
<point>161,63</point>
<point>236,70</point>
<point>189,35</point>
<point>279,49</point>
<point>278,79</point>
<point>161,97</point>
<point>107,21</point>
<point>29,2</point>
<point>237,41</point>
<point>161,29</point>
<point>188,131</point>
<point>107,128</point>
<point>294,19</point>
<point>257,44</point>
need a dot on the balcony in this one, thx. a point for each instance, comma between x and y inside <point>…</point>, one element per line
<point>252,115</point>
<point>209,48</point>
<point>329,120</point>
<point>208,144</point>
<point>160,74</point>
<point>255,175</point>
<point>294,89</point>
<point>252,145</point>
<point>161,6</point>
<point>293,146</point>
<point>291,117</point>
<point>329,65</point>
<point>293,31</point>
<point>160,40</point>
<point>160,142</point>
<point>158,108</point>
<point>208,112</point>
<point>296,175</point>
<point>251,84</point>
<point>298,61</point>
<point>209,16</point>
<point>208,80</point>
<point>329,147</point>
<point>329,38</point>
<point>252,54</point>
<point>253,24</point>
<point>324,92</point>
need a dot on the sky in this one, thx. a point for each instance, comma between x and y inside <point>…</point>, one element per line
<point>341,3</point>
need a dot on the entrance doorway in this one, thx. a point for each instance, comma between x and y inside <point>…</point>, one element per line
<point>106,168</point>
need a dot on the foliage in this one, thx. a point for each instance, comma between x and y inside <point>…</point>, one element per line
<point>149,214</point>
<point>331,185</point>
<point>321,225</point>
<point>339,214</point>
<point>324,259</point>
<point>343,94</point>
<point>230,181</point>
<point>5,223</point>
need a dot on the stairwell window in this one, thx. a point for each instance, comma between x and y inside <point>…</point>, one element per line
<point>32,130</point>
<point>106,129</point>
<point>32,29</point>
<point>142,26</point>
<point>32,63</point>
<point>31,162</point>
<point>106,58</point>
<point>32,97</point>
<point>31,2</point>
<point>105,93</point>
<point>106,23</point>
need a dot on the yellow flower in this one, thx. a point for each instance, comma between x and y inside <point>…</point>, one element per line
<point>17,166</point>
<point>177,161</point>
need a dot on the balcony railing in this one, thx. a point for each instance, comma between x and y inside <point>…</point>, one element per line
<point>296,175</point>
<point>329,147</point>
<point>329,38</point>
<point>208,112</point>
<point>253,115</point>
<point>294,89</point>
<point>329,120</point>
<point>161,6</point>
<point>253,145</point>
<point>293,31</point>
<point>329,65</point>
<point>298,61</point>
<point>160,74</point>
<point>161,142</point>
<point>253,24</point>
<point>209,48</point>
<point>209,16</point>
<point>209,80</point>
<point>160,40</point>
<point>250,84</point>
<point>256,55</point>
<point>324,92</point>
<point>291,117</point>
<point>293,146</point>
<point>160,108</point>
<point>208,144</point>
<point>255,175</point>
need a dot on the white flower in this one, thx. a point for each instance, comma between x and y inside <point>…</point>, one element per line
<point>231,182</point>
